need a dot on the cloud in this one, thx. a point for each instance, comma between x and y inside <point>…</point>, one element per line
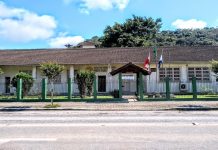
<point>21,25</point>
<point>63,39</point>
<point>189,24</point>
<point>87,5</point>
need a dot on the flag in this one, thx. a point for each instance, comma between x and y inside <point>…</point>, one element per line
<point>160,61</point>
<point>147,62</point>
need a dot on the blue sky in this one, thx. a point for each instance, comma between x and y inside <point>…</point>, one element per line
<point>51,23</point>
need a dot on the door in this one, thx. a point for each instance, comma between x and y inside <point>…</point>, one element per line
<point>126,86</point>
<point>7,84</point>
<point>101,83</point>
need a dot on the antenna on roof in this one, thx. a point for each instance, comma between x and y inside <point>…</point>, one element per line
<point>68,45</point>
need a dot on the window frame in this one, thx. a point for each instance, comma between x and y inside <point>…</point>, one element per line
<point>173,73</point>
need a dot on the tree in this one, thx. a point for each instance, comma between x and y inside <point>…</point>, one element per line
<point>90,82</point>
<point>214,64</point>
<point>81,78</point>
<point>96,40</point>
<point>85,80</point>
<point>1,71</point>
<point>51,70</point>
<point>26,84</point>
<point>134,32</point>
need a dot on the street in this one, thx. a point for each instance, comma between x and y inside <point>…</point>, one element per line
<point>121,130</point>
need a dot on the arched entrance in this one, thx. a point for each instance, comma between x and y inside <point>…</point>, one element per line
<point>132,68</point>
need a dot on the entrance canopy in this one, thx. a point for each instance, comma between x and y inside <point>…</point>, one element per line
<point>130,68</point>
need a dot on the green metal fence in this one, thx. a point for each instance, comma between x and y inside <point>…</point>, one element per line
<point>197,92</point>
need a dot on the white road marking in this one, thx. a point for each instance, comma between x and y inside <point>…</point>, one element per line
<point>6,140</point>
<point>161,124</point>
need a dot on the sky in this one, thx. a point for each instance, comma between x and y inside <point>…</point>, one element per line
<point>34,24</point>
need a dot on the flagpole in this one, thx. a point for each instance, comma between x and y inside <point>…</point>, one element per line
<point>156,71</point>
<point>162,69</point>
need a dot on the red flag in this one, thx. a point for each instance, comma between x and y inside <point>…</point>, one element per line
<point>147,62</point>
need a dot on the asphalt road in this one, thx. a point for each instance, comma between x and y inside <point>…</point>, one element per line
<point>121,130</point>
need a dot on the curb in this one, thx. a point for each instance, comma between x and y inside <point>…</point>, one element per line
<point>85,109</point>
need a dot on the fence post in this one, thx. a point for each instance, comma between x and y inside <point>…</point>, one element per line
<point>137,85</point>
<point>44,89</point>
<point>194,88</point>
<point>69,88</point>
<point>94,88</point>
<point>167,88</point>
<point>19,89</point>
<point>141,88</point>
<point>120,85</point>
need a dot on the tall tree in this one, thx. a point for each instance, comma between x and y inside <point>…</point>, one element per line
<point>134,32</point>
<point>51,70</point>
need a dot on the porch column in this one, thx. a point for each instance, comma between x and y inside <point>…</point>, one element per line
<point>141,88</point>
<point>183,73</point>
<point>120,85</point>
<point>34,72</point>
<point>109,79</point>
<point>137,84</point>
<point>72,72</point>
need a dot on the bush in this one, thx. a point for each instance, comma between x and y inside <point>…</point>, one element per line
<point>89,82</point>
<point>85,80</point>
<point>27,82</point>
<point>81,80</point>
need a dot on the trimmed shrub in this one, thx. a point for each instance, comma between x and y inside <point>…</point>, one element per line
<point>27,82</point>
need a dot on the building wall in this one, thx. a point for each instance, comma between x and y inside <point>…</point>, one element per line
<point>152,83</point>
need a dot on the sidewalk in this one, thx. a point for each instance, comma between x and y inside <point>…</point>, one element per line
<point>128,106</point>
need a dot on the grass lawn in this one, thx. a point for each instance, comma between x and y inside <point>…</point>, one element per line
<point>55,97</point>
<point>190,96</point>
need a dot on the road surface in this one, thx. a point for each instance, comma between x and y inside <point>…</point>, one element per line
<point>105,130</point>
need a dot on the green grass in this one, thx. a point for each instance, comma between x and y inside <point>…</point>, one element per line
<point>189,96</point>
<point>52,106</point>
<point>55,97</point>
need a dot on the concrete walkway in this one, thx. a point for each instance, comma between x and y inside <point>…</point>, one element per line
<point>141,106</point>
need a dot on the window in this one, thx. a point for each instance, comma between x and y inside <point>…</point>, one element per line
<point>201,74</point>
<point>101,83</point>
<point>172,73</point>
<point>57,79</point>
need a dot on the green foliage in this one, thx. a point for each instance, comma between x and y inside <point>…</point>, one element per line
<point>1,71</point>
<point>85,80</point>
<point>96,40</point>
<point>81,80</point>
<point>135,32</point>
<point>214,64</point>
<point>52,106</point>
<point>142,31</point>
<point>27,82</point>
<point>90,82</point>
<point>188,37</point>
<point>51,70</point>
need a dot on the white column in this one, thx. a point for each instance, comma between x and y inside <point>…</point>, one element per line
<point>109,84</point>
<point>34,72</point>
<point>72,72</point>
<point>183,74</point>
<point>64,76</point>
